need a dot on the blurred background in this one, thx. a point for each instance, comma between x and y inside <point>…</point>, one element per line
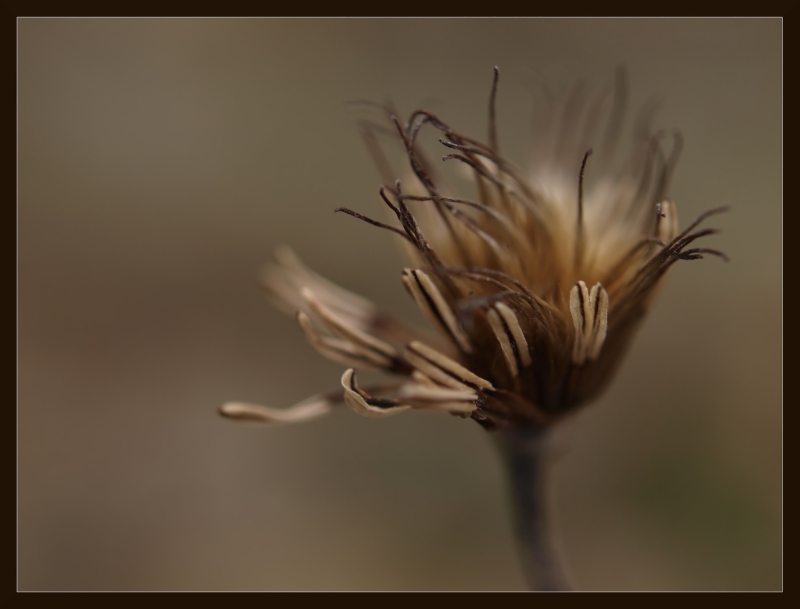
<point>161,161</point>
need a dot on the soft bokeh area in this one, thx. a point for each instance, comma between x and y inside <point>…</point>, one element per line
<point>161,161</point>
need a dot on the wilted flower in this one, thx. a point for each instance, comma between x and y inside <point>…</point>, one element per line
<point>536,287</point>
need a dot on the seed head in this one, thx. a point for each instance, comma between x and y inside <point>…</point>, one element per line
<point>535,288</point>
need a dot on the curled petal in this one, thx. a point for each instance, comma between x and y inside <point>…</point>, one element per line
<point>365,404</point>
<point>311,408</point>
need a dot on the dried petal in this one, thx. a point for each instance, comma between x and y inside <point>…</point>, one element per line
<point>311,408</point>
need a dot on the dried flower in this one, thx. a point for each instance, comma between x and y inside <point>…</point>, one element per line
<point>536,287</point>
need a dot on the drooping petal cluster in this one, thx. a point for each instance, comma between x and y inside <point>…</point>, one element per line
<point>535,288</point>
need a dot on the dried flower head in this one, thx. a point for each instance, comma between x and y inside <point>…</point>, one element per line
<point>536,287</point>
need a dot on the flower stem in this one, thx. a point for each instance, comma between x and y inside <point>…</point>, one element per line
<point>526,451</point>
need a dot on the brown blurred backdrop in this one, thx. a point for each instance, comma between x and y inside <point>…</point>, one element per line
<point>160,163</point>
